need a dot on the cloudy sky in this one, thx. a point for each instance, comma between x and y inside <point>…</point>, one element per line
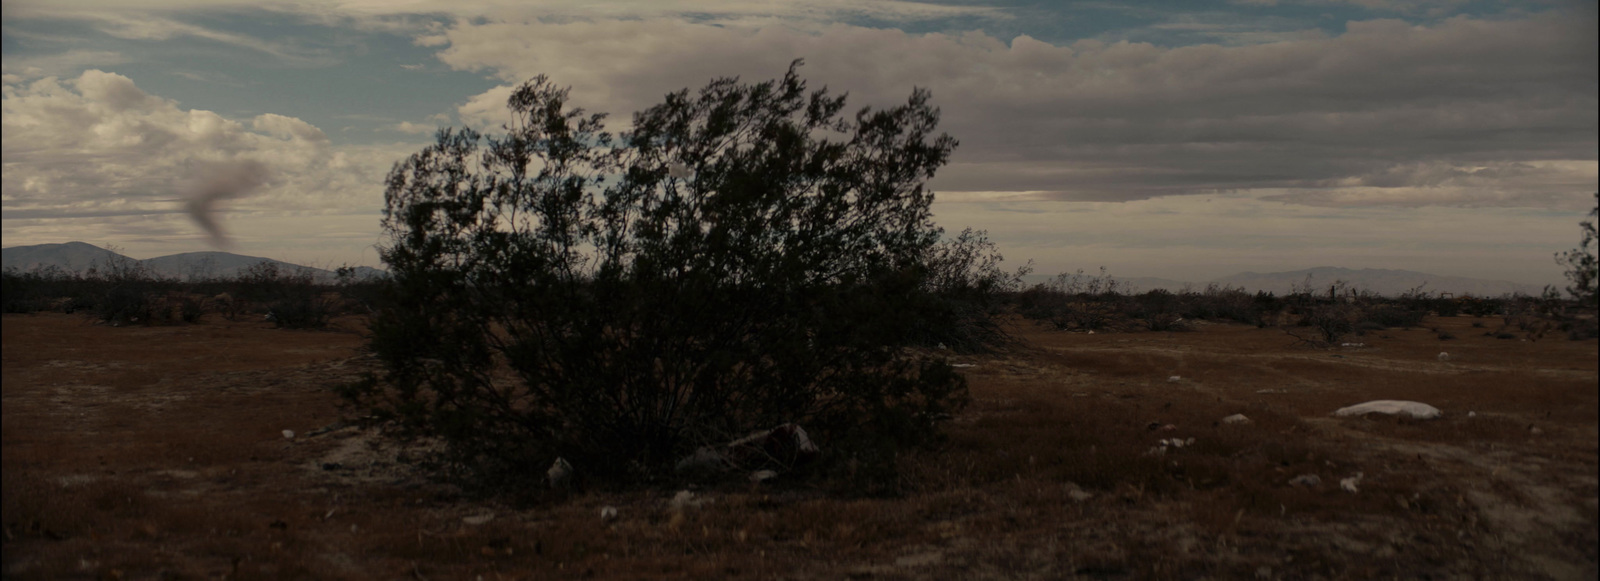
<point>1181,139</point>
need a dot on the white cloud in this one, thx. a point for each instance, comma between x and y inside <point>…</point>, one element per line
<point>72,61</point>
<point>415,128</point>
<point>100,150</point>
<point>1122,120</point>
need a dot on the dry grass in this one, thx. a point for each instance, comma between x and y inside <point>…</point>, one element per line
<point>156,453</point>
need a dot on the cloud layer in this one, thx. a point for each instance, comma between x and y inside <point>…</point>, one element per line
<point>1467,112</point>
<point>99,149</point>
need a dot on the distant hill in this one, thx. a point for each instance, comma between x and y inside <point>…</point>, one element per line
<point>79,256</point>
<point>71,256</point>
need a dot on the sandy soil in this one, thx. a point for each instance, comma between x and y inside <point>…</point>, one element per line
<point>159,453</point>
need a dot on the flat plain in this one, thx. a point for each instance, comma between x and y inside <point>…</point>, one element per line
<point>159,453</point>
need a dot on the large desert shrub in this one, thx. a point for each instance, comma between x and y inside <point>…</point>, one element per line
<point>743,257</point>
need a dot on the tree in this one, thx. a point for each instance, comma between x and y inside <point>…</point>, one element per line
<point>1582,267</point>
<point>743,257</point>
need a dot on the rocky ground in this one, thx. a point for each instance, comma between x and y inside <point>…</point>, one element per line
<point>160,453</point>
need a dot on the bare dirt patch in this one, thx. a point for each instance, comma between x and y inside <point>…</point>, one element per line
<point>158,452</point>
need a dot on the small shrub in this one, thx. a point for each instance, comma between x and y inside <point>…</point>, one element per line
<point>1332,322</point>
<point>125,304</point>
<point>1389,315</point>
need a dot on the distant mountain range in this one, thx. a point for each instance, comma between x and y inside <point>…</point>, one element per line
<point>1380,281</point>
<point>80,256</point>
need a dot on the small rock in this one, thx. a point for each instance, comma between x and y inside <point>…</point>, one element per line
<point>1174,379</point>
<point>1472,414</point>
<point>1306,480</point>
<point>1535,430</point>
<point>1414,409</point>
<point>763,475</point>
<point>560,474</point>
<point>685,499</point>
<point>608,513</point>
<point>1236,419</point>
<point>1349,484</point>
<point>478,520</point>
<point>1444,356</point>
<point>1076,493</point>
<point>288,434</point>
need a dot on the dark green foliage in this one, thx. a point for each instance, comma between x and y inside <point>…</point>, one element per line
<point>966,285</point>
<point>744,257</point>
<point>1392,315</point>
<point>1582,266</point>
<point>27,292</point>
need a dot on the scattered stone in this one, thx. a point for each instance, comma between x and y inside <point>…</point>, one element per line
<point>1444,356</point>
<point>1349,484</point>
<point>478,520</point>
<point>608,513</point>
<point>1174,379</point>
<point>920,559</point>
<point>787,446</point>
<point>1310,480</point>
<point>560,474</point>
<point>686,499</point>
<point>1414,409</point>
<point>763,475</point>
<point>1076,493</point>
<point>288,434</point>
<point>1472,414</point>
<point>1534,430</point>
<point>1236,419</point>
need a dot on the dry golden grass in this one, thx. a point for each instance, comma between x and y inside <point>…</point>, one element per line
<point>137,453</point>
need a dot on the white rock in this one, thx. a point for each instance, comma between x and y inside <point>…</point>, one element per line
<point>1306,480</point>
<point>686,499</point>
<point>1349,484</point>
<point>478,520</point>
<point>1077,493</point>
<point>608,513</point>
<point>1414,409</point>
<point>1472,414</point>
<point>560,474</point>
<point>1174,379</point>
<point>1444,356</point>
<point>1236,419</point>
<point>763,475</point>
<point>288,434</point>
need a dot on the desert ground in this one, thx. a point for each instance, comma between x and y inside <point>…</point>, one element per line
<point>159,453</point>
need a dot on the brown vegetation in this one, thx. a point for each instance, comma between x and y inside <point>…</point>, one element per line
<point>157,452</point>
